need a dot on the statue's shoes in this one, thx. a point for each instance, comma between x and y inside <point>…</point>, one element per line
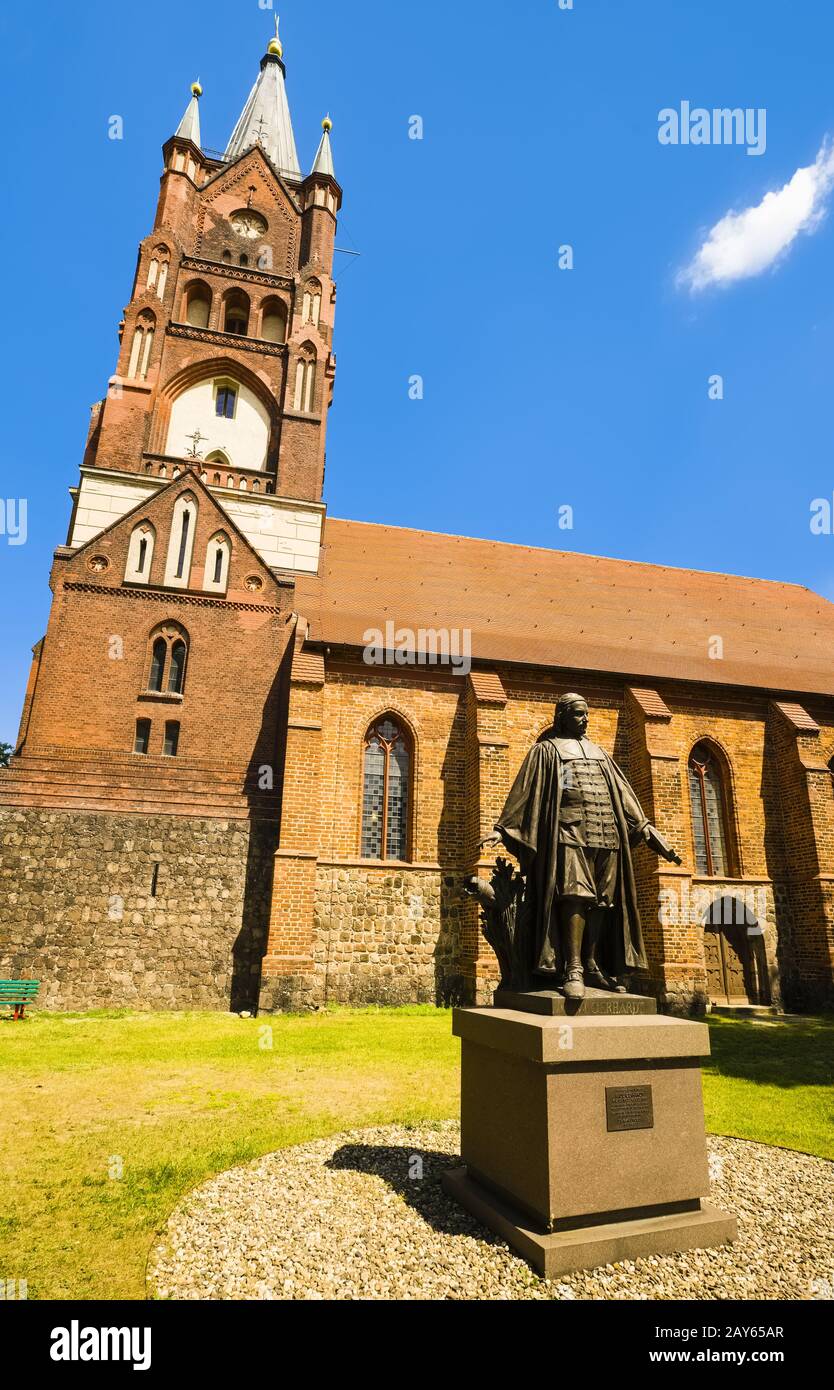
<point>574,984</point>
<point>599,980</point>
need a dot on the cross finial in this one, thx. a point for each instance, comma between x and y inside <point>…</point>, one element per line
<point>274,45</point>
<point>196,438</point>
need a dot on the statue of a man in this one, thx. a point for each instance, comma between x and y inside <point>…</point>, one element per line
<point>571,820</point>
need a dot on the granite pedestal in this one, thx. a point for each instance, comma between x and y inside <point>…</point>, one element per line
<point>582,1129</point>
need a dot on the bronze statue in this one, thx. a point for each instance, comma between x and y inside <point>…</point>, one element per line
<point>571,820</point>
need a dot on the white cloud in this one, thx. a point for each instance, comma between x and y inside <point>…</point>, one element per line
<point>745,243</point>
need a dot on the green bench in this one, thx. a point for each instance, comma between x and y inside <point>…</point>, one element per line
<point>18,993</point>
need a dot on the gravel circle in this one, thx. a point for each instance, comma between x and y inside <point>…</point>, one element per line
<point>363,1216</point>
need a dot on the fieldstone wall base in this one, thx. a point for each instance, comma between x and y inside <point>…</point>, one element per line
<point>150,912</point>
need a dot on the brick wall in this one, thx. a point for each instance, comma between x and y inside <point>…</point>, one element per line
<point>405,931</point>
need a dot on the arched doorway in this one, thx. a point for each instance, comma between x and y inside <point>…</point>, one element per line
<point>734,954</point>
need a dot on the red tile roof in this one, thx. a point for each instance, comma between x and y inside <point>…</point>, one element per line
<point>561,609</point>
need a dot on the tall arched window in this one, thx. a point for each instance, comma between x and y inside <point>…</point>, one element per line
<point>140,348</point>
<point>176,667</point>
<point>305,380</point>
<point>216,572</point>
<point>385,791</point>
<point>140,554</point>
<point>274,321</point>
<point>159,655</point>
<point>158,270</point>
<point>709,812</point>
<point>181,542</point>
<point>237,313</point>
<point>197,304</point>
<point>167,660</point>
<point>311,308</point>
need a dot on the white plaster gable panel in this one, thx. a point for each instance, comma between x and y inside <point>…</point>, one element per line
<point>243,439</point>
<point>102,499</point>
<point>285,535</point>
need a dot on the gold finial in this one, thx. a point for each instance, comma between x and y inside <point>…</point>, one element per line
<point>327,124</point>
<point>196,89</point>
<point>274,45</point>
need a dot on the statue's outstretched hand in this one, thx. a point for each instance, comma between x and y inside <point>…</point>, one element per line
<point>493,839</point>
<point>656,842</point>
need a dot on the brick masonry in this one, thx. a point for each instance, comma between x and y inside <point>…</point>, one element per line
<point>362,933</point>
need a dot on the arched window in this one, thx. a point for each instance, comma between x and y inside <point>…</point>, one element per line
<point>274,321</point>
<point>197,304</point>
<point>311,308</point>
<point>181,542</point>
<point>167,660</point>
<point>218,555</point>
<point>305,380</point>
<point>237,313</point>
<point>142,737</point>
<point>385,791</point>
<point>709,812</point>
<point>140,554</point>
<point>159,655</point>
<point>158,270</point>
<point>176,668</point>
<point>140,348</point>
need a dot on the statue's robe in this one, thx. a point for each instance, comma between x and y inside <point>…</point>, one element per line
<point>529,827</point>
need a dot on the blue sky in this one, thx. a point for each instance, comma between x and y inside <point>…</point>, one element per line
<point>542,387</point>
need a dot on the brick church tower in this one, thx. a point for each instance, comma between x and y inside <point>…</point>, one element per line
<point>144,794</point>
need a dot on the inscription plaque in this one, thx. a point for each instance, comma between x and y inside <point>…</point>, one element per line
<point>629,1107</point>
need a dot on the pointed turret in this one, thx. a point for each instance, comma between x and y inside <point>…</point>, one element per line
<point>323,162</point>
<point>265,119</point>
<point>189,126</point>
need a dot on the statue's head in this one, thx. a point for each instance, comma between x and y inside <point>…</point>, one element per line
<point>571,719</point>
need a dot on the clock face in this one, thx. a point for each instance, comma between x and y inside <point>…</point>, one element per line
<point>248,223</point>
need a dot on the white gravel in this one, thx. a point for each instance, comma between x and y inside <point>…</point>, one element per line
<point>363,1216</point>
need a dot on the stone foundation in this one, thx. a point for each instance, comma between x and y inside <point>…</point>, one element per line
<point>151,912</point>
<point>387,936</point>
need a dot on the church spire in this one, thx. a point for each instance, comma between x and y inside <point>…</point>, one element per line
<point>189,126</point>
<point>265,119</point>
<point>323,162</point>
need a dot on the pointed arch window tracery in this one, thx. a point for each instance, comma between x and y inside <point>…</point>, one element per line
<point>386,787</point>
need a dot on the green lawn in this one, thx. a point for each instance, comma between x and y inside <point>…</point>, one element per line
<point>108,1118</point>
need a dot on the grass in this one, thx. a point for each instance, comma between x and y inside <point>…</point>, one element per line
<point>110,1117</point>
